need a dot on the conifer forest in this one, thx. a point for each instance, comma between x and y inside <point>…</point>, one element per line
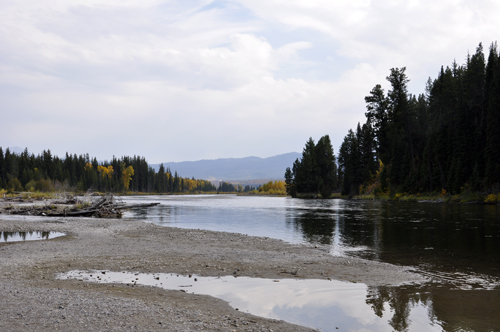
<point>46,172</point>
<point>444,140</point>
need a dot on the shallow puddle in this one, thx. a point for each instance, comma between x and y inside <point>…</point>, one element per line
<point>327,305</point>
<point>28,236</point>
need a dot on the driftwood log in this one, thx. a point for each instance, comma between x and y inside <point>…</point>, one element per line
<point>102,207</point>
<point>14,199</point>
<point>104,210</point>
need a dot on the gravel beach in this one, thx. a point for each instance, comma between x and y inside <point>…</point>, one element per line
<point>32,299</point>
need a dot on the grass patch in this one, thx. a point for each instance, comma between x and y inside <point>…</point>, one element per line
<point>436,197</point>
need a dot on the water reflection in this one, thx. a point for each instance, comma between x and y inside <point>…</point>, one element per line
<point>446,238</point>
<point>447,310</point>
<point>400,302</point>
<point>28,236</point>
<point>328,305</point>
<point>316,226</point>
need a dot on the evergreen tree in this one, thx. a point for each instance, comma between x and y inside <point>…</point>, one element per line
<point>306,178</point>
<point>350,163</point>
<point>377,115</point>
<point>401,142</point>
<point>289,183</point>
<point>10,165</point>
<point>315,172</point>
<point>2,168</point>
<point>366,140</point>
<point>326,167</point>
<point>492,150</point>
<point>176,186</point>
<point>160,182</point>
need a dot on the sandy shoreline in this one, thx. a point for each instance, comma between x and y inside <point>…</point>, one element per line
<point>31,299</point>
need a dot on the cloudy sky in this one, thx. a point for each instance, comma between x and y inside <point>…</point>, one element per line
<point>188,80</point>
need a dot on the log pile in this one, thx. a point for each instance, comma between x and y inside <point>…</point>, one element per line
<point>88,206</point>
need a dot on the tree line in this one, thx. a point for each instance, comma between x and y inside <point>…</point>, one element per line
<point>45,172</point>
<point>447,139</point>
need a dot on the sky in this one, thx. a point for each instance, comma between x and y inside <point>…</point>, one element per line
<point>201,79</point>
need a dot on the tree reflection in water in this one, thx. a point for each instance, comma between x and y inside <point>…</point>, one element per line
<point>400,301</point>
<point>27,236</point>
<point>448,308</point>
<point>316,226</point>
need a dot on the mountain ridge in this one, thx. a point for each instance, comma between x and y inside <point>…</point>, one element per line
<point>225,169</point>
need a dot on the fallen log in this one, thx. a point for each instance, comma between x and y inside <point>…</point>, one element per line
<point>16,198</point>
<point>78,213</point>
<point>133,206</point>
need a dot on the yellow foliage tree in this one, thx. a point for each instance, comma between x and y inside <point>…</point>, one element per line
<point>273,187</point>
<point>191,184</point>
<point>105,171</point>
<point>110,171</point>
<point>101,170</point>
<point>88,166</point>
<point>127,176</point>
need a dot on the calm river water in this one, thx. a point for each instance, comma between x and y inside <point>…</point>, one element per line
<point>457,246</point>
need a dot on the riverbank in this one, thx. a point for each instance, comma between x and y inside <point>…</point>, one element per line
<point>467,198</point>
<point>32,299</point>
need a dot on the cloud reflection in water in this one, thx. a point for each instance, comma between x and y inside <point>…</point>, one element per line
<point>320,304</point>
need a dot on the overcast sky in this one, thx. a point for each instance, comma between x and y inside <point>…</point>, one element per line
<point>188,80</point>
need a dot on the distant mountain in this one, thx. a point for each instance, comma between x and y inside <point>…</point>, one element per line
<point>249,168</point>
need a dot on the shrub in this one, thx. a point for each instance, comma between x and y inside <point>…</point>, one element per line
<point>492,199</point>
<point>43,185</point>
<point>30,186</point>
<point>14,185</point>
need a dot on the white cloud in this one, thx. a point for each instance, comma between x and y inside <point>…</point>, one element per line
<point>174,81</point>
<point>421,35</point>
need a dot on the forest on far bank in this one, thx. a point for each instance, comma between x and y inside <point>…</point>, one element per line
<point>446,140</point>
<point>45,172</point>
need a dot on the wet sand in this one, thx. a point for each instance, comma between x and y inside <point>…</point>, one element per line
<point>32,299</point>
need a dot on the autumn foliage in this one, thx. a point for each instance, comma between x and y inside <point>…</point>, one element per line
<point>127,175</point>
<point>105,171</point>
<point>273,188</point>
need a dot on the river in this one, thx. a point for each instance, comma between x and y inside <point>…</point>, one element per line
<point>456,246</point>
